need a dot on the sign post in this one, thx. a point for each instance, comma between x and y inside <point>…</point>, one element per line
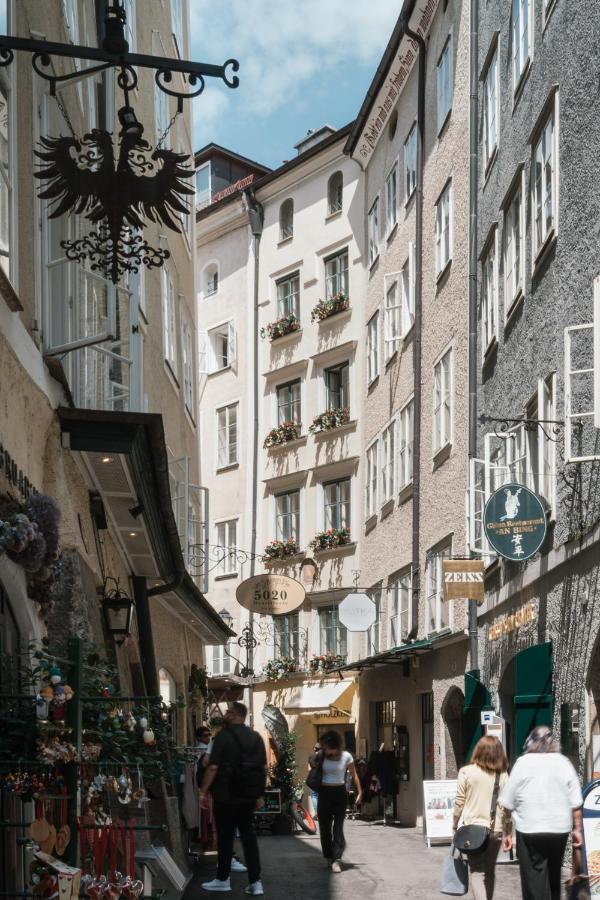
<point>515,522</point>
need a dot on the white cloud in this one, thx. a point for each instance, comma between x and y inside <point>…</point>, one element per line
<point>284,45</point>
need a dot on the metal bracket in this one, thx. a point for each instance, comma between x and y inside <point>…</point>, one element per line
<point>553,432</point>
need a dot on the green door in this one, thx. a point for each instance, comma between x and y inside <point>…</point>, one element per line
<point>533,691</point>
<point>477,699</point>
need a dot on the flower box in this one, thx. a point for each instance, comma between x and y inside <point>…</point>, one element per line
<point>280,550</point>
<point>330,539</point>
<point>330,419</point>
<point>282,434</point>
<point>277,329</point>
<point>325,308</point>
<point>279,669</point>
<point>325,662</point>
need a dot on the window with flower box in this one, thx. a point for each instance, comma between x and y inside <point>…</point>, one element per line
<point>288,294</point>
<point>336,504</point>
<point>333,636</point>
<point>289,402</point>
<point>336,274</point>
<point>286,636</point>
<point>337,386</point>
<point>287,516</point>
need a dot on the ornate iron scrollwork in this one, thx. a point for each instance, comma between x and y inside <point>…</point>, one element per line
<point>552,428</point>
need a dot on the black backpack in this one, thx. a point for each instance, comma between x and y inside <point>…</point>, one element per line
<point>249,779</point>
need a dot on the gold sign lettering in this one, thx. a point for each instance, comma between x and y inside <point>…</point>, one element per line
<point>512,622</point>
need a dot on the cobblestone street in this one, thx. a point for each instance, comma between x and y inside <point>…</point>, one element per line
<point>379,862</point>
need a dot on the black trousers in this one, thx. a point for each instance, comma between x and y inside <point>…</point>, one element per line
<point>228,817</point>
<point>540,864</point>
<point>332,810</point>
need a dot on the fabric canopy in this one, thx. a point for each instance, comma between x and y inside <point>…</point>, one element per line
<point>321,697</point>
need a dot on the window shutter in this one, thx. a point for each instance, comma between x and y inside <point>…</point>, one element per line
<point>231,342</point>
<point>476,497</point>
<point>203,352</point>
<point>581,363</point>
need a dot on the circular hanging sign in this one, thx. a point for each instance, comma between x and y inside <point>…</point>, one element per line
<point>357,612</point>
<point>270,595</point>
<point>515,522</point>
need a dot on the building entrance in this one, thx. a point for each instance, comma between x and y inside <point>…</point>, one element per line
<point>526,697</point>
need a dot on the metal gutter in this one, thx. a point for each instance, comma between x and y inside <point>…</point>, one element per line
<point>473,263</point>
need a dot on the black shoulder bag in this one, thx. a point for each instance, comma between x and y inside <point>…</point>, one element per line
<point>314,779</point>
<point>475,838</point>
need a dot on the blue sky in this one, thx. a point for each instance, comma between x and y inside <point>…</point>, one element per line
<point>303,64</point>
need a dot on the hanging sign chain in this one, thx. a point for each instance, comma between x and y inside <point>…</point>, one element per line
<point>163,136</point>
<point>65,115</point>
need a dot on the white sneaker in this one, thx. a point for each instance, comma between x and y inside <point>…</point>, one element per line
<point>237,865</point>
<point>336,866</point>
<point>255,889</point>
<point>217,886</point>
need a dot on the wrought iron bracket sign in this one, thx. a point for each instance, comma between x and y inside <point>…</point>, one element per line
<point>552,428</point>
<point>515,522</point>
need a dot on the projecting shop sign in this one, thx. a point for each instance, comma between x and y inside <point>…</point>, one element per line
<point>515,522</point>
<point>357,612</point>
<point>270,595</point>
<point>463,579</point>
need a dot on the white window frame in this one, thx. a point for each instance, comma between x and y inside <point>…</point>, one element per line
<point>405,443</point>
<point>391,199</point>
<point>212,362</point>
<point>131,24</point>
<point>295,517</point>
<point>444,231</point>
<point>545,149</point>
<point>489,295</point>
<point>286,227</point>
<point>522,40</point>
<point>212,268</point>
<point>408,275</point>
<point>372,478</point>
<point>374,231</point>
<point>222,462</point>
<point>169,319</point>
<point>387,469</point>
<point>491,110</point>
<point>335,482</point>
<point>296,404</point>
<point>336,273</point>
<point>187,352</point>
<point>335,204</point>
<point>410,163</point>
<point>228,565</point>
<point>221,662</point>
<point>373,347</point>
<point>443,401</point>
<point>590,371</point>
<point>444,83</point>
<point>178,26</point>
<point>514,237</point>
<point>393,308</point>
<point>399,585</point>
<point>434,582</point>
<point>292,297</point>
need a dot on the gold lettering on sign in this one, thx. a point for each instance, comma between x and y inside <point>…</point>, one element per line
<point>463,579</point>
<point>512,622</point>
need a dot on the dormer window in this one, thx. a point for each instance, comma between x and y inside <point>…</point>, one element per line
<point>286,220</point>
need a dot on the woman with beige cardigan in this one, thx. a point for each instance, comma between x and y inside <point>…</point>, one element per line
<point>474,794</point>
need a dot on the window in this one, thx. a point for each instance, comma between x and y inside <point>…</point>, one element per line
<point>289,402</point>
<point>287,516</point>
<point>187,346</point>
<point>337,379</point>
<point>391,199</point>
<point>373,348</point>
<point>333,636</point>
<point>221,347</point>
<point>405,444</point>
<point>226,537</point>
<point>130,24</point>
<point>582,387</point>
<point>336,274</point>
<point>410,162</point>
<point>521,38</point>
<point>169,319</point>
<point>400,608</point>
<point>286,636</point>
<point>335,193</point>
<point>388,462</point>
<point>443,229</point>
<point>444,84</point>
<point>442,402</point>
<point>6,170</point>
<point>286,220</point>
<point>489,297</point>
<point>438,612</point>
<point>393,316</point>
<point>408,290</point>
<point>288,293</point>
<point>161,113</point>
<point>490,109</point>
<point>210,280</point>
<point>544,184</point>
<point>177,25</point>
<point>167,689</point>
<point>203,185</point>
<point>336,504</point>
<point>374,232</point>
<point>514,249</point>
<point>221,660</point>
<point>374,632</point>
<point>372,479</point>
<point>227,436</point>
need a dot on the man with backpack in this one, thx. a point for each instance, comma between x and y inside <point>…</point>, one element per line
<point>236,776</point>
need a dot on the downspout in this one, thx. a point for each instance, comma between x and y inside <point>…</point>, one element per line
<point>256,218</point>
<point>416,490</point>
<point>473,361</point>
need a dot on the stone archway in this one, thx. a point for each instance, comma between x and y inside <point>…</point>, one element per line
<point>452,717</point>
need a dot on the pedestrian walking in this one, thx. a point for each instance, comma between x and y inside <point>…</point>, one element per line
<point>545,797</point>
<point>477,792</point>
<point>333,763</point>
<point>236,776</point>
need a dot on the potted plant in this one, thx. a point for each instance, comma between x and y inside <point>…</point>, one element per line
<point>280,668</point>
<point>283,325</point>
<point>325,662</point>
<point>330,419</point>
<point>330,539</point>
<point>280,550</point>
<point>287,431</point>
<point>329,307</point>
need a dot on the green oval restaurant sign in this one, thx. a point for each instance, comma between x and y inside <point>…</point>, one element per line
<point>515,522</point>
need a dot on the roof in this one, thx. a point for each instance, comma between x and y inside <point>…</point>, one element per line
<point>212,149</point>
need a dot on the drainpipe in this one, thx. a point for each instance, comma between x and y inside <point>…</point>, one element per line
<point>146,640</point>
<point>473,360</point>
<point>416,498</point>
<point>256,218</point>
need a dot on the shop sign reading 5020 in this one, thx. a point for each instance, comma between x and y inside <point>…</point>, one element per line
<point>270,595</point>
<point>515,522</point>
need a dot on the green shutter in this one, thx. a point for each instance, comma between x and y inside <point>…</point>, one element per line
<point>533,691</point>
<point>477,699</point>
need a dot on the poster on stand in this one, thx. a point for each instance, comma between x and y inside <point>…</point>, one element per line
<point>438,803</point>
<point>591,835</point>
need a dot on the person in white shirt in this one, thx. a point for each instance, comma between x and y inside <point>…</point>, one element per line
<point>333,798</point>
<point>544,795</point>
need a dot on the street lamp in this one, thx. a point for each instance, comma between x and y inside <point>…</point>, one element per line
<point>309,571</point>
<point>117,608</point>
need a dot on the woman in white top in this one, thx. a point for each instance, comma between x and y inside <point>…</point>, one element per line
<point>544,795</point>
<point>333,797</point>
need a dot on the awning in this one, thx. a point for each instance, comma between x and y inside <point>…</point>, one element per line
<point>316,698</point>
<point>392,657</point>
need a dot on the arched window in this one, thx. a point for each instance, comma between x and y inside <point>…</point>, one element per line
<point>286,220</point>
<point>210,279</point>
<point>167,687</point>
<point>335,193</point>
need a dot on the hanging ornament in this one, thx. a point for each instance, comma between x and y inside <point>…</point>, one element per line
<point>148,737</point>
